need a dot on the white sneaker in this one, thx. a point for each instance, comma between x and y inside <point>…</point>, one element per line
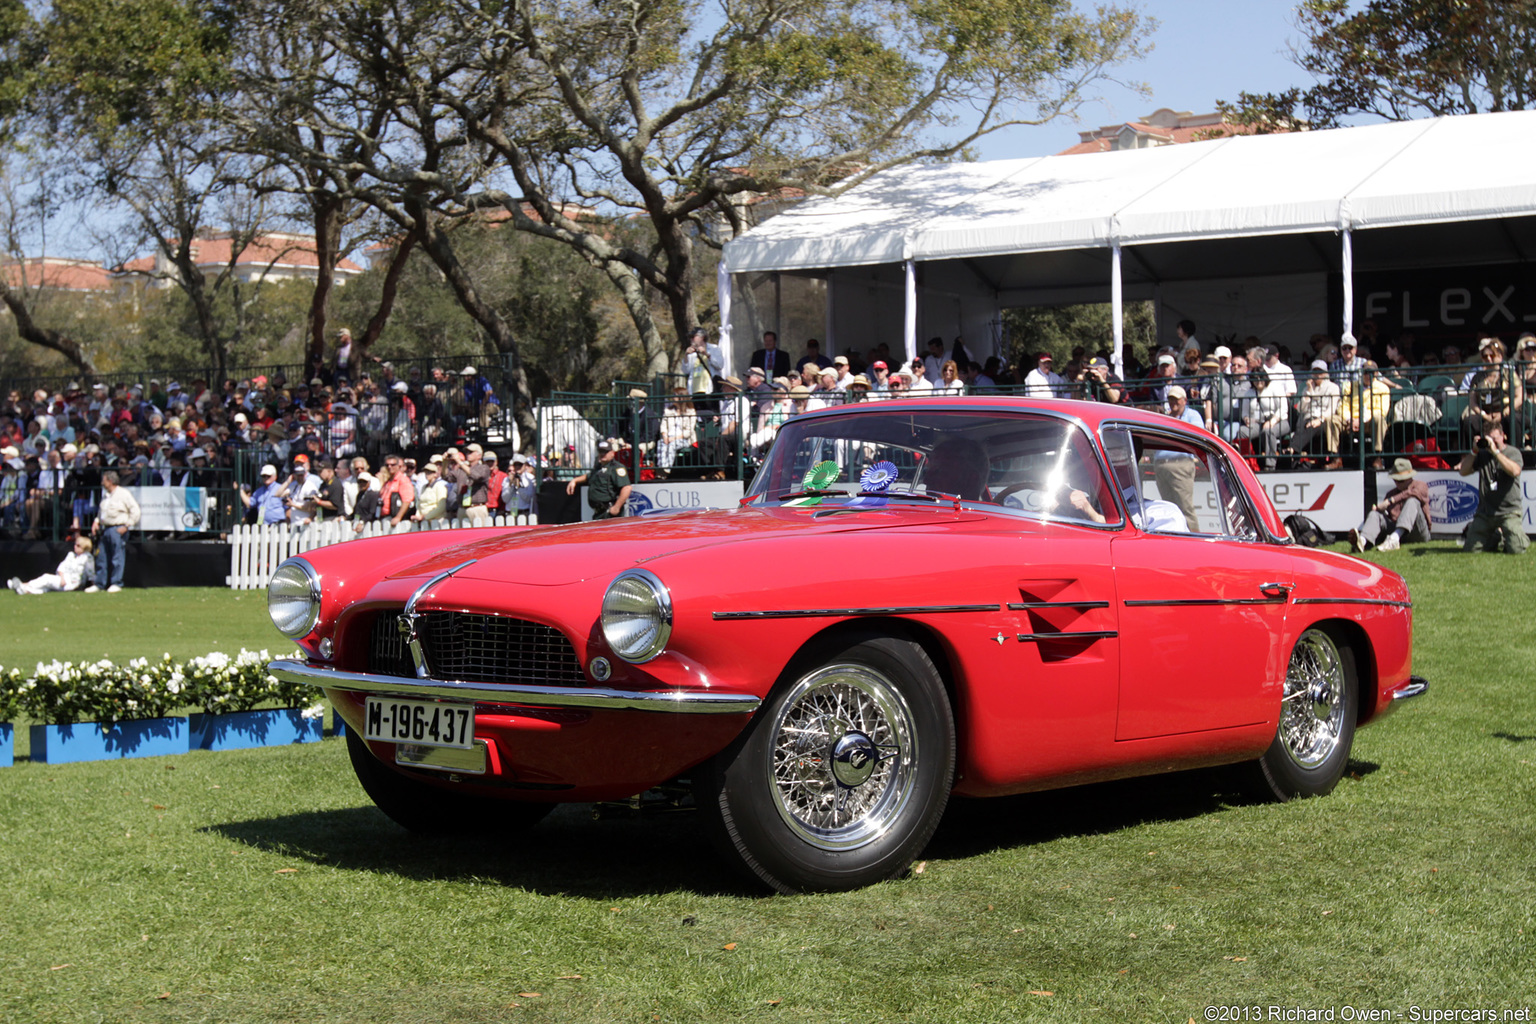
<point>1390,544</point>
<point>92,589</point>
<point>114,588</point>
<point>1355,543</point>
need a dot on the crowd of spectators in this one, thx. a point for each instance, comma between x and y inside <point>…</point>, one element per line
<point>1314,409</point>
<point>55,444</point>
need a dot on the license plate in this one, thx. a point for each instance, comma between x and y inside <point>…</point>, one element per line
<point>420,721</point>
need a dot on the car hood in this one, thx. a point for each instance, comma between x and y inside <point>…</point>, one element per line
<point>558,555</point>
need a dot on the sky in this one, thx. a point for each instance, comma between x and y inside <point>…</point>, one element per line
<point>1204,51</point>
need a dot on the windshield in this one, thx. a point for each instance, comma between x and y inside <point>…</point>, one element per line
<point>1037,465</point>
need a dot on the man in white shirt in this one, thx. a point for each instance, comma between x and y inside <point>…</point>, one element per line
<point>118,513</point>
<point>1043,381</point>
<point>1279,373</point>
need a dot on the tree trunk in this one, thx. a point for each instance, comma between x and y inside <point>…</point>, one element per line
<point>327,220</point>
<point>52,340</point>
<point>439,248</point>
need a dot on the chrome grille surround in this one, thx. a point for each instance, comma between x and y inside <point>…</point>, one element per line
<point>479,648</point>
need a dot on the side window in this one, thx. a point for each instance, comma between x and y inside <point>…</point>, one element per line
<point>1174,486</point>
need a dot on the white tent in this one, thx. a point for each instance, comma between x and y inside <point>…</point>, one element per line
<point>1285,208</point>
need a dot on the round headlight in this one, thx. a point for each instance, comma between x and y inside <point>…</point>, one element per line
<point>637,616</point>
<point>293,598</point>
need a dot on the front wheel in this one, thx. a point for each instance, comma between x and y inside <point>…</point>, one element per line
<point>429,810</point>
<point>842,777</point>
<point>1317,718</point>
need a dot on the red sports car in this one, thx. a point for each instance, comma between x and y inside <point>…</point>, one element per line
<point>915,598</point>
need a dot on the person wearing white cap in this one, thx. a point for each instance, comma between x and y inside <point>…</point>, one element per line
<point>268,500</point>
<point>1317,412</point>
<point>1401,514</point>
<point>1175,471</point>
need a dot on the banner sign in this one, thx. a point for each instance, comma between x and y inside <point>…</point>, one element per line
<point>660,497</point>
<point>172,509</point>
<point>1331,500</point>
<point>1455,304</point>
<point>1453,499</point>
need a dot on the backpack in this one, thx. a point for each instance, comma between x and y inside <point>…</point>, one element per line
<point>1305,532</point>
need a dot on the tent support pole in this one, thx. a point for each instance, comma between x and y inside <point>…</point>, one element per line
<point>723,293</point>
<point>909,327</point>
<point>1347,261</point>
<point>1117,300</point>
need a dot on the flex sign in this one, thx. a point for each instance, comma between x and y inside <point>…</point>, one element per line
<point>1458,302</point>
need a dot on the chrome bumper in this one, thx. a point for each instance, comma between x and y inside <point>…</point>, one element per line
<point>1416,686</point>
<point>687,701</point>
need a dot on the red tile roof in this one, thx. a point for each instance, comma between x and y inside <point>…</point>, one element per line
<point>57,274</point>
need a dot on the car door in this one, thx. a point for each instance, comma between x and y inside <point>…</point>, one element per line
<point>1203,614</point>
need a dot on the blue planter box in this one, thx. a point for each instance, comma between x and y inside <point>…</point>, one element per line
<point>241,730</point>
<point>7,744</point>
<point>90,741</point>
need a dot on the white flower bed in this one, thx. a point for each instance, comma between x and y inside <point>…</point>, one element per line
<point>61,692</point>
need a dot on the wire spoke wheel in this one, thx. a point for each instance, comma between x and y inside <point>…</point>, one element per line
<point>843,775</point>
<point>1318,708</point>
<point>1312,710</point>
<point>844,752</point>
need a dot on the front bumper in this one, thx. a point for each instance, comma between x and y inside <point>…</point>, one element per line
<point>1416,686</point>
<point>708,702</point>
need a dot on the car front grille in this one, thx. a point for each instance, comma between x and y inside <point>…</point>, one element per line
<point>477,648</point>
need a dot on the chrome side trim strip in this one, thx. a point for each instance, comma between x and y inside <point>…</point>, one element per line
<point>816,613</point>
<point>1096,634</point>
<point>1204,601</point>
<point>1380,601</point>
<point>692,701</point>
<point>1019,606</point>
<point>1417,686</point>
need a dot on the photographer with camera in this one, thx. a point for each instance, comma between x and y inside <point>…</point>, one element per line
<point>1499,524</point>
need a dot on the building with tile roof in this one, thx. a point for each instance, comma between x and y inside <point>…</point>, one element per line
<point>272,256</point>
<point>1162,127</point>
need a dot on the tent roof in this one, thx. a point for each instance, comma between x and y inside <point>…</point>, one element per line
<point>1440,170</point>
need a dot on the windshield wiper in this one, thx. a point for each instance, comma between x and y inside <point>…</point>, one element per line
<point>812,493</point>
<point>937,497</point>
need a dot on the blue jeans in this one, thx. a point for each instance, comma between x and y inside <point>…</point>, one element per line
<point>111,556</point>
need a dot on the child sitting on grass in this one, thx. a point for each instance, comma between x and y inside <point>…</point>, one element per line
<point>69,575</point>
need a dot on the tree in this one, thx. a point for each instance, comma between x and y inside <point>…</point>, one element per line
<point>575,119</point>
<point>1402,59</point>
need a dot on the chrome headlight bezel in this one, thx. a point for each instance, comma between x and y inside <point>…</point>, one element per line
<point>636,596</point>
<point>294,588</point>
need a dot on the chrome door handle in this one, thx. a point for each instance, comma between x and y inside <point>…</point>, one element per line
<point>1280,590</point>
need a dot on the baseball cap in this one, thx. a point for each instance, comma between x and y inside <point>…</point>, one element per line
<point>474,448</point>
<point>839,360</point>
<point>1098,363</point>
<point>468,371</point>
<point>1318,364</point>
<point>400,386</point>
<point>269,470</point>
<point>1165,360</point>
<point>1175,391</point>
<point>489,456</point>
<point>1222,350</point>
<point>604,446</point>
<point>301,460</point>
<point>879,365</point>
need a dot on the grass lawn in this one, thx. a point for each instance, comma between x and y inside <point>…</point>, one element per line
<point>262,886</point>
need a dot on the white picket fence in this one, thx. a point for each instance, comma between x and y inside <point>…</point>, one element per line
<point>255,551</point>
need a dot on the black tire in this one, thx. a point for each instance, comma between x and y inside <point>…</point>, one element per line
<point>435,811</point>
<point>843,775</point>
<point>1318,711</point>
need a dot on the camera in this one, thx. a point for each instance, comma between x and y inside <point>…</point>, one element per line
<point>1481,443</point>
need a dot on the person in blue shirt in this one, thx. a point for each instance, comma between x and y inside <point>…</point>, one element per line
<point>268,500</point>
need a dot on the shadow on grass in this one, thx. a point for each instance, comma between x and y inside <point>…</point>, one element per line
<point>973,827</point>
<point>1512,737</point>
<point>567,853</point>
<point>570,854</point>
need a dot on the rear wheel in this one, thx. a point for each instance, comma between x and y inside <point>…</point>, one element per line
<point>842,777</point>
<point>1317,718</point>
<point>430,810</point>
